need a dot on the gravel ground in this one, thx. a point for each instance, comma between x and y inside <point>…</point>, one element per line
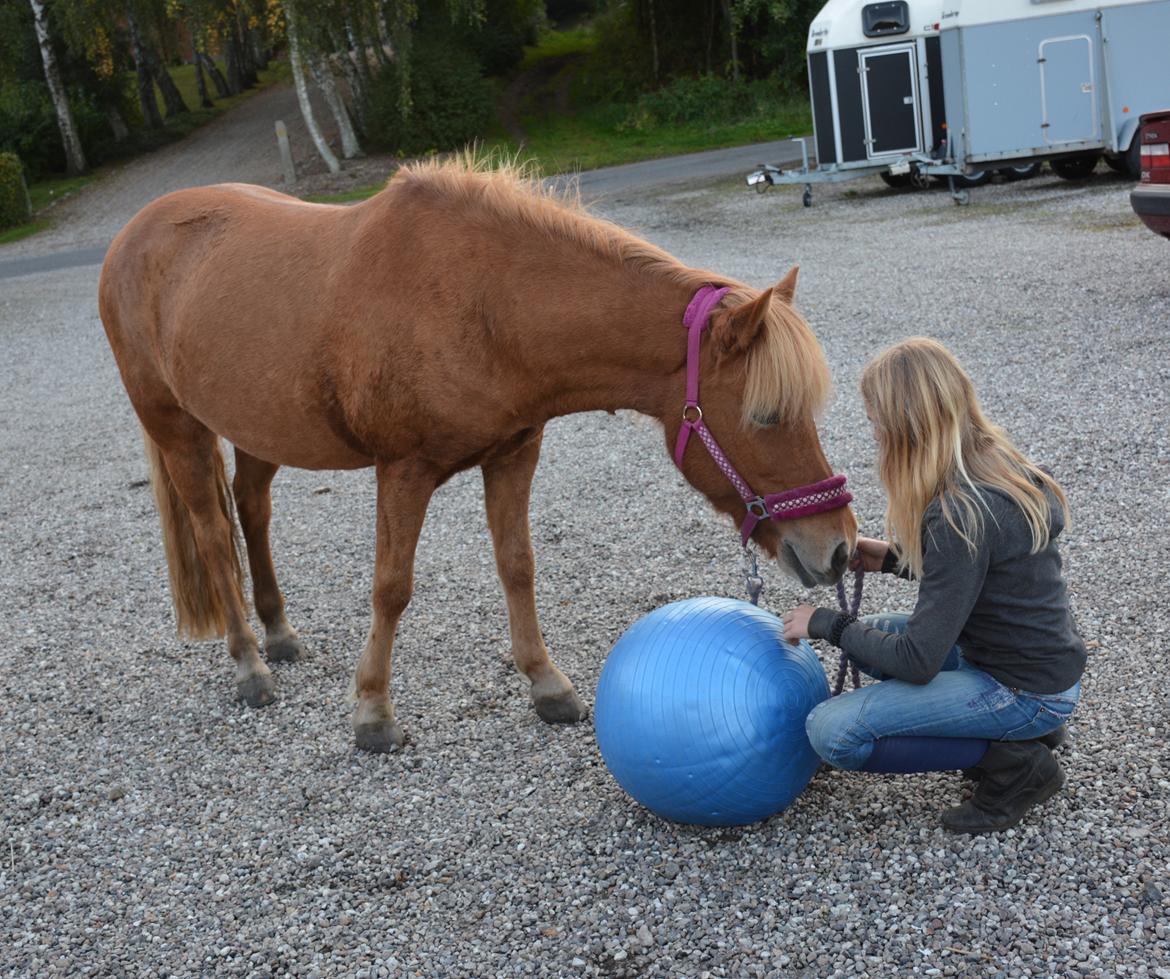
<point>154,827</point>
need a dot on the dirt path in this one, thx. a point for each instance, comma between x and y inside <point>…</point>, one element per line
<point>238,146</point>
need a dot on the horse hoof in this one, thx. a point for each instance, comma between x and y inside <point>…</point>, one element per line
<point>380,737</point>
<point>562,708</point>
<point>258,690</point>
<point>286,649</point>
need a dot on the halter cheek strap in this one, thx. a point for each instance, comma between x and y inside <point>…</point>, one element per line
<point>803,501</point>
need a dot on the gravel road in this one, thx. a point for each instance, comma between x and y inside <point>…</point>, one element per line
<point>154,827</point>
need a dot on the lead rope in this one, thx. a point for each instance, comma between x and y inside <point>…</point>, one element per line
<point>849,608</point>
<point>752,579</point>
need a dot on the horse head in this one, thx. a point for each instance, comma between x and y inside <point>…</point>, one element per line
<point>761,378</point>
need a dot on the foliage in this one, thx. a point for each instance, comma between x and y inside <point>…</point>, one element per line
<point>651,42</point>
<point>15,207</point>
<point>703,100</point>
<point>451,101</point>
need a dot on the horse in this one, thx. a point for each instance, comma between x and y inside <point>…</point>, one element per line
<point>436,326</point>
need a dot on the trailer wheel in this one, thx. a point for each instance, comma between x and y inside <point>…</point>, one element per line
<point>806,197</point>
<point>1075,167</point>
<point>1026,172</point>
<point>976,179</point>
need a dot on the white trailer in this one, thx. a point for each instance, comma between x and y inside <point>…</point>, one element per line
<point>915,89</point>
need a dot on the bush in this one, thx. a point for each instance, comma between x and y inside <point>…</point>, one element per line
<point>705,100</point>
<point>15,207</point>
<point>452,101</point>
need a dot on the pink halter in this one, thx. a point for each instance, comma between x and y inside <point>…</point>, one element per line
<point>803,501</point>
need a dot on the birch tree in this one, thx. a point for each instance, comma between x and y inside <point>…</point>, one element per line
<point>74,154</point>
<point>296,61</point>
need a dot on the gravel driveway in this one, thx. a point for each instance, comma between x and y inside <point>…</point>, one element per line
<point>154,827</point>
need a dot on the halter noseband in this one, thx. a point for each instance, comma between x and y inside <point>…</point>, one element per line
<point>803,501</point>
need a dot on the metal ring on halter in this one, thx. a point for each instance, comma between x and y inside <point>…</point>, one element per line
<point>687,408</point>
<point>762,512</point>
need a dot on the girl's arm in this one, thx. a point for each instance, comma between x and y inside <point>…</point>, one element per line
<point>952,578</point>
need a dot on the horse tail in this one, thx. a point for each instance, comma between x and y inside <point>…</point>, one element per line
<point>199,611</point>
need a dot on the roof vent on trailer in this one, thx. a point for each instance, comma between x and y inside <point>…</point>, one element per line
<point>880,19</point>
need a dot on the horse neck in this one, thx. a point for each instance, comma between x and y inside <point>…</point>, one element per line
<point>606,338</point>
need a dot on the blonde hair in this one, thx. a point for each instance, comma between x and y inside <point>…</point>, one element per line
<point>934,442</point>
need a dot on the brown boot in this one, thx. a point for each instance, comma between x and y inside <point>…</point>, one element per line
<point>1016,775</point>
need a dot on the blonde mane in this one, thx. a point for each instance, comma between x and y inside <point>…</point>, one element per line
<point>787,375</point>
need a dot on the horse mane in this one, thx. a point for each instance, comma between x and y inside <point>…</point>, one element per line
<point>787,375</point>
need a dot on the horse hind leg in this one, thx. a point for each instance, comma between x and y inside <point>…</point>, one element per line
<point>507,487</point>
<point>194,504</point>
<point>252,489</point>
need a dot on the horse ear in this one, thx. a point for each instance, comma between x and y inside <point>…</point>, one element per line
<point>734,330</point>
<point>786,287</point>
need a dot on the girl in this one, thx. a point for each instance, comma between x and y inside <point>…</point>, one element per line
<point>985,671</point>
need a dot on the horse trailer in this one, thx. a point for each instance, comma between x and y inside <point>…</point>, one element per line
<point>918,89</point>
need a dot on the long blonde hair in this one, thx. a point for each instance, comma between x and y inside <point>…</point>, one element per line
<point>934,442</point>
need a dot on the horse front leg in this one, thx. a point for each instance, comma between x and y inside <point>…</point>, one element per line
<point>404,490</point>
<point>507,486</point>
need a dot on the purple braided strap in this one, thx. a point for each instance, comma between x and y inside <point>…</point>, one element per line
<point>849,608</point>
<point>792,504</point>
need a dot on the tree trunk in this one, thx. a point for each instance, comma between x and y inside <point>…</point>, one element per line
<point>734,40</point>
<point>221,86</point>
<point>653,43</point>
<point>235,77</point>
<point>357,94</point>
<point>117,124</point>
<point>142,73</point>
<point>298,70</point>
<point>361,57</point>
<point>201,84</point>
<point>247,65</point>
<point>172,97</point>
<point>74,154</point>
<point>259,46</point>
<point>324,77</point>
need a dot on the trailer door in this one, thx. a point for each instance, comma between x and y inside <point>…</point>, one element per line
<point>889,94</point>
<point>1068,90</point>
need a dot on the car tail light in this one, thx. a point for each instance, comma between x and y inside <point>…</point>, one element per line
<point>1156,156</point>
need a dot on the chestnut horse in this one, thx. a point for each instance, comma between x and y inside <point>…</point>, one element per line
<point>436,326</point>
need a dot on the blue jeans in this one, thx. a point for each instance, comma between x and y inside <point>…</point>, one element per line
<point>960,702</point>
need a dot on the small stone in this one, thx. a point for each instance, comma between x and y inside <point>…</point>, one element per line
<point>116,792</point>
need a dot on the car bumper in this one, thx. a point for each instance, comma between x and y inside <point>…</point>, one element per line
<point>1151,203</point>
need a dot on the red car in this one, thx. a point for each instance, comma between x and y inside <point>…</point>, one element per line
<point>1151,197</point>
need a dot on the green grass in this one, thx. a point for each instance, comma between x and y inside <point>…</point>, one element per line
<point>559,44</point>
<point>22,231</point>
<point>46,192</point>
<point>592,139</point>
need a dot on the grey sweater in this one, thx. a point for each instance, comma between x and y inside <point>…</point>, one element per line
<point>1006,607</point>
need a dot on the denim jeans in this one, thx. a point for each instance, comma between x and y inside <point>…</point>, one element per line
<point>960,702</point>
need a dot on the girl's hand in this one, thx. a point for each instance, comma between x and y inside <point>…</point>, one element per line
<point>796,623</point>
<point>870,554</point>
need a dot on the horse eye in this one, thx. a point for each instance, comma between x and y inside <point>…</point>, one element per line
<point>766,421</point>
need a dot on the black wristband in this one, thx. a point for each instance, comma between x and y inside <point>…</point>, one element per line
<point>840,624</point>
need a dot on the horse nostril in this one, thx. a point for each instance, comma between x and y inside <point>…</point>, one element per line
<point>840,559</point>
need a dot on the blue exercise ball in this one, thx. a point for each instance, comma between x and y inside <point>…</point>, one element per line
<point>700,712</point>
